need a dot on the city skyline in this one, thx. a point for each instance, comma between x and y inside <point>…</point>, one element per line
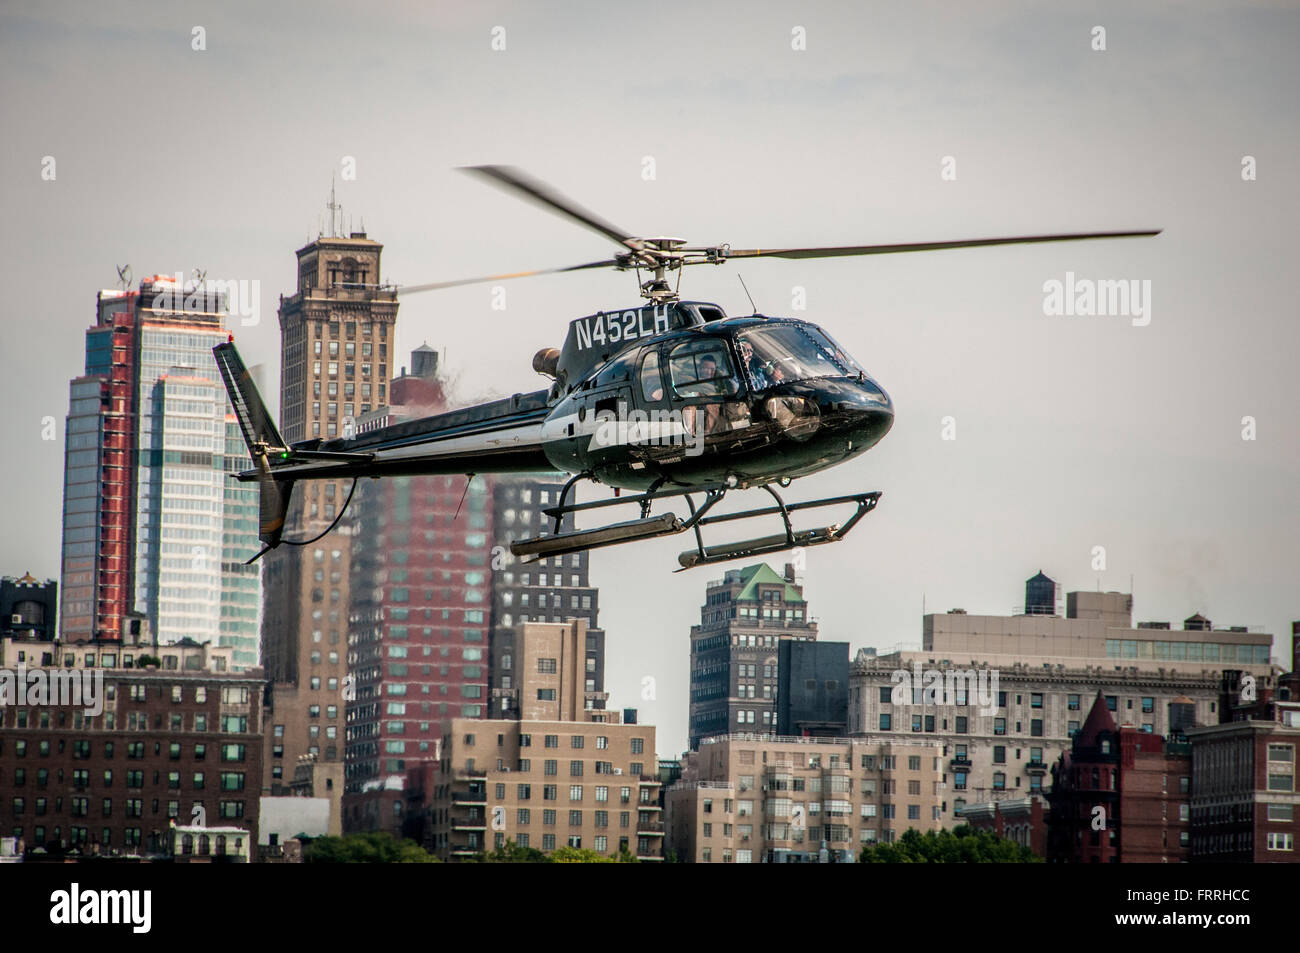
<point>1071,432</point>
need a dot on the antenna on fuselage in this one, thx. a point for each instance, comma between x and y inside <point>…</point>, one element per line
<point>747,294</point>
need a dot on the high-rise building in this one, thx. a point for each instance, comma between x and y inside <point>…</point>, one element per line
<point>336,338</point>
<point>554,589</point>
<point>418,629</point>
<point>149,521</point>
<point>418,637</point>
<point>241,583</point>
<point>734,660</point>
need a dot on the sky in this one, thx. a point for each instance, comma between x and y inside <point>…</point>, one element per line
<point>1069,432</point>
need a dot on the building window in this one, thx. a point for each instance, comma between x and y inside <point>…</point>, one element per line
<point>1278,841</point>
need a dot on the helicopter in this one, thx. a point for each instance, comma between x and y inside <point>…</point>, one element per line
<point>670,398</point>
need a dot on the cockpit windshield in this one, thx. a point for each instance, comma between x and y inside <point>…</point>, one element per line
<point>782,353</point>
<point>841,356</point>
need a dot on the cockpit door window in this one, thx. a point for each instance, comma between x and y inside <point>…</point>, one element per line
<point>702,369</point>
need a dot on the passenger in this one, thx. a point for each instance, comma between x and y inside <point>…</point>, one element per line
<point>714,383</point>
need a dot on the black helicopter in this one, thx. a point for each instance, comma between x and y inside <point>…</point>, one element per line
<point>671,398</point>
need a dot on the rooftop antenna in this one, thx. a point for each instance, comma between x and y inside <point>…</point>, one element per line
<point>335,210</point>
<point>747,294</point>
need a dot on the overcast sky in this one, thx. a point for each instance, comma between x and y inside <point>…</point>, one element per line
<point>1071,432</point>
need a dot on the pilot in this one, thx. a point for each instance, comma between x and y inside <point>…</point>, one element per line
<point>764,373</point>
<point>757,375</point>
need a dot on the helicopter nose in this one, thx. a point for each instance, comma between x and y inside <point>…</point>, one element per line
<point>868,412</point>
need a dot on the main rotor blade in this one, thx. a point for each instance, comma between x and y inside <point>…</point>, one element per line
<point>439,285</point>
<point>518,181</point>
<point>842,250</point>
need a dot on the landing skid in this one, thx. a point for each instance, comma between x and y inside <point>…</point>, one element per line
<point>669,524</point>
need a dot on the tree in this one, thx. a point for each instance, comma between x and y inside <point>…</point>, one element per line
<point>579,855</point>
<point>375,847</point>
<point>963,845</point>
<point>512,853</point>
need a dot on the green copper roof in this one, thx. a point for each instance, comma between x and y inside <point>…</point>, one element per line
<point>752,576</point>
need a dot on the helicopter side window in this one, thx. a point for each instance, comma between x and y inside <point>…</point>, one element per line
<point>652,382</point>
<point>702,369</point>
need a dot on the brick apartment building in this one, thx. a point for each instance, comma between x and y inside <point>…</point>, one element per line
<point>1021,820</point>
<point>1120,795</point>
<point>179,740</point>
<point>1244,797</point>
